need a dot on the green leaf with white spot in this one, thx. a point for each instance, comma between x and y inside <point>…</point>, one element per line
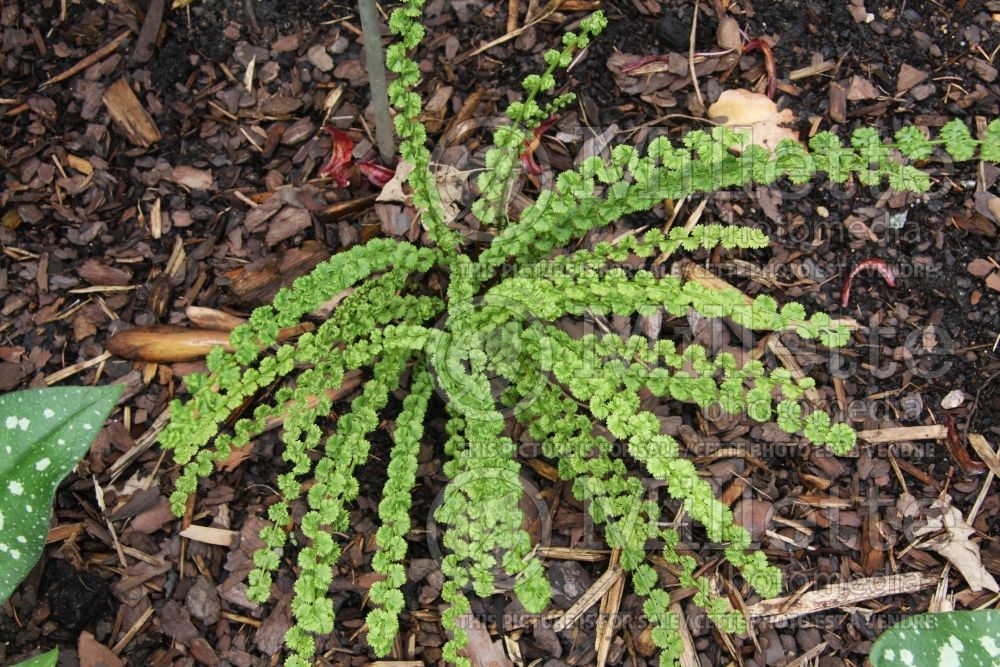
<point>948,639</point>
<point>43,433</point>
<point>43,660</point>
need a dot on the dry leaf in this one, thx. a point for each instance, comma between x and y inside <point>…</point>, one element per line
<point>481,649</point>
<point>450,184</point>
<point>756,113</point>
<point>956,546</point>
<point>392,191</point>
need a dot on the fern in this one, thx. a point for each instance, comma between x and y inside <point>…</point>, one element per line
<point>556,386</point>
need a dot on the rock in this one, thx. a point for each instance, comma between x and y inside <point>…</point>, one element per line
<point>953,399</point>
<point>644,644</point>
<point>770,643</point>
<point>569,581</point>
<point>923,91</point>
<point>339,45</point>
<point>547,640</point>
<point>807,638</point>
<point>319,58</point>
<point>980,267</point>
<point>674,32</point>
<point>859,13</point>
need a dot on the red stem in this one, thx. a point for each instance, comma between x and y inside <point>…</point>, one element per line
<point>769,67</point>
<point>958,452</point>
<point>877,264</point>
<point>528,155</point>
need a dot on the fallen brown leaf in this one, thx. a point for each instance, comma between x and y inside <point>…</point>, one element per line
<point>955,545</point>
<point>756,113</point>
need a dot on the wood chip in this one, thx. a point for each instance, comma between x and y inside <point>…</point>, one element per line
<point>838,103</point>
<point>985,452</point>
<point>909,76</point>
<point>209,535</point>
<point>980,267</point>
<point>129,114</point>
<point>196,179</point>
<point>811,70</point>
<point>861,88</point>
<point>567,553</point>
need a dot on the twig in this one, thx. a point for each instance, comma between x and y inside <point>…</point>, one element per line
<point>610,604</point>
<point>69,371</point>
<point>689,657</point>
<point>512,10</point>
<point>98,55</point>
<point>132,631</point>
<point>901,433</point>
<point>251,15</point>
<point>694,77</point>
<point>375,63</point>
<point>146,42</point>
<point>843,595</point>
<point>589,598</point>
<point>550,7</point>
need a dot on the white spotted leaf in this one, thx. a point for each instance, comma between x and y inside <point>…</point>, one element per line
<point>43,433</point>
<point>946,639</point>
<point>48,659</point>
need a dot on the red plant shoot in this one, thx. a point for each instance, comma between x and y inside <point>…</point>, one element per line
<point>377,174</point>
<point>528,156</point>
<point>968,465</point>
<point>769,67</point>
<point>339,165</point>
<point>877,264</point>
